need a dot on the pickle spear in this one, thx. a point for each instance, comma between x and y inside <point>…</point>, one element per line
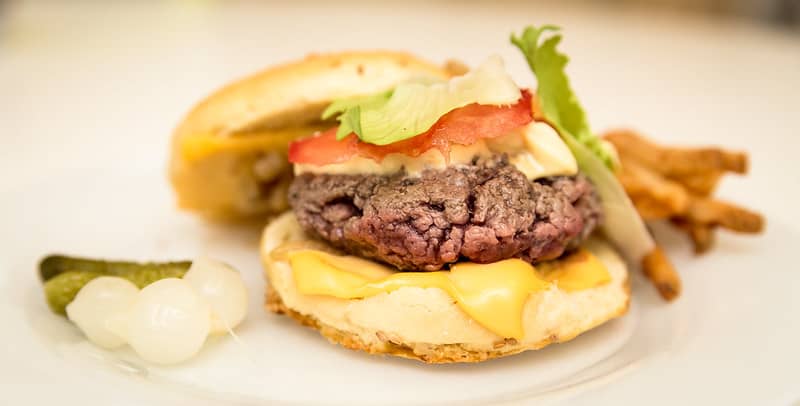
<point>62,289</point>
<point>53,265</point>
<point>64,276</point>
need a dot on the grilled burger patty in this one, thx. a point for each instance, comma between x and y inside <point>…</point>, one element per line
<point>484,212</point>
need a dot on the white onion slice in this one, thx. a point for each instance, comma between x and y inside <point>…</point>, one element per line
<point>223,289</point>
<point>168,323</point>
<point>97,304</point>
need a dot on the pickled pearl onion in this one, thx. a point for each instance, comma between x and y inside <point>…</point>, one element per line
<point>97,305</point>
<point>168,322</point>
<point>223,289</point>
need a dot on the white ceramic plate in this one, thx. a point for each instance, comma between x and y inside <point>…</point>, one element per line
<point>274,359</point>
<point>84,141</point>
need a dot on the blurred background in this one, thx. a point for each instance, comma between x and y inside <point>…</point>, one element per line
<point>100,85</point>
<point>776,12</point>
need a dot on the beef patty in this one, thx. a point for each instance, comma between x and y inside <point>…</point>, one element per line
<point>484,212</point>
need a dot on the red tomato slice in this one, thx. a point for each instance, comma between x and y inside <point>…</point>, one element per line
<point>462,126</point>
<point>323,149</point>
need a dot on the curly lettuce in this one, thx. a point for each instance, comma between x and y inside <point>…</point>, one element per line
<point>558,101</point>
<point>623,225</point>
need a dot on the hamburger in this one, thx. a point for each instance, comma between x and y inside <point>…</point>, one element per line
<point>419,210</point>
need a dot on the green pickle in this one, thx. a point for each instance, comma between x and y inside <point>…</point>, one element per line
<point>145,276</point>
<point>64,276</point>
<point>53,265</point>
<point>61,289</point>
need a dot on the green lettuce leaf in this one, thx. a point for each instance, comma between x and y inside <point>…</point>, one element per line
<point>349,111</point>
<point>622,225</point>
<point>559,102</point>
<point>413,107</point>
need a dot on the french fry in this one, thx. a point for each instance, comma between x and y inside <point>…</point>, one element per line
<point>651,190</point>
<point>701,184</point>
<point>714,212</point>
<point>702,235</point>
<point>677,184</point>
<point>660,271</point>
<point>676,161</point>
<point>650,208</point>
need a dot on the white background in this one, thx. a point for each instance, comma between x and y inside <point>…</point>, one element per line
<point>99,88</point>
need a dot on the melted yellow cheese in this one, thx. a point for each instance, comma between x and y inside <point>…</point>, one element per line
<point>493,294</point>
<point>201,145</point>
<point>580,270</point>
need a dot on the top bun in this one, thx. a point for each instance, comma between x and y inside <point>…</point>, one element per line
<point>229,153</point>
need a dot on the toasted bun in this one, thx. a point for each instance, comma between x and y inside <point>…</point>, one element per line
<point>425,324</point>
<point>225,174</point>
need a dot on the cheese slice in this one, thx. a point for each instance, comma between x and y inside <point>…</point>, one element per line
<point>202,145</point>
<point>494,295</point>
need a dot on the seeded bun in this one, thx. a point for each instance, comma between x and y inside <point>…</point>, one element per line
<point>221,180</point>
<point>425,324</point>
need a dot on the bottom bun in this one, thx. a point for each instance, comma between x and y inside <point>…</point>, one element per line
<point>426,324</point>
